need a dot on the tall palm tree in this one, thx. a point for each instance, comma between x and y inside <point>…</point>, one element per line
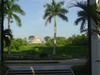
<point>87,10</point>
<point>10,9</point>
<point>51,11</point>
<point>7,36</point>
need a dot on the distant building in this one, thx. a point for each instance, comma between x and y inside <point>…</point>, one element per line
<point>36,40</point>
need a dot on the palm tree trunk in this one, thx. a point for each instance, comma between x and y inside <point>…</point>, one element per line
<point>8,22</point>
<point>54,51</point>
<point>8,28</point>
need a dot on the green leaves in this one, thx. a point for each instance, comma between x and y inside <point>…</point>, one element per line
<point>7,36</point>
<point>63,17</point>
<point>74,40</point>
<point>31,37</point>
<point>10,9</point>
<point>17,19</point>
<point>87,10</point>
<point>16,8</point>
<point>54,9</point>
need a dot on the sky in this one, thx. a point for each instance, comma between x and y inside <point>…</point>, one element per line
<point>33,23</point>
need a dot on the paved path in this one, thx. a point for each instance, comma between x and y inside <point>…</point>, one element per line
<point>62,64</point>
<point>41,72</point>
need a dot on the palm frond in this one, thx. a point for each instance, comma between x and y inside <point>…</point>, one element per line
<point>48,9</point>
<point>7,36</point>
<point>54,9</point>
<point>82,14</point>
<point>63,17</point>
<point>53,3</point>
<point>16,8</point>
<point>59,4</point>
<point>8,32</point>
<point>63,11</point>
<point>18,20</point>
<point>78,20</point>
<point>47,6</point>
<point>46,15</point>
<point>81,4</point>
<point>91,10</point>
<point>11,8</point>
<point>48,20</point>
<point>82,18</point>
<point>83,25</point>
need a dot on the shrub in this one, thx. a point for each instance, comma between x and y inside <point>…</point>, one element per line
<point>80,70</point>
<point>3,69</point>
<point>43,55</point>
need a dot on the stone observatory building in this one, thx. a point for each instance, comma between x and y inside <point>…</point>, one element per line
<point>36,40</point>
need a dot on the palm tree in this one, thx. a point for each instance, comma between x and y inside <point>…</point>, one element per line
<point>83,18</point>
<point>51,11</point>
<point>84,13</point>
<point>7,36</point>
<point>92,13</point>
<point>10,8</point>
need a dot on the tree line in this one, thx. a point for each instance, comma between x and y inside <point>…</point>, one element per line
<point>74,40</point>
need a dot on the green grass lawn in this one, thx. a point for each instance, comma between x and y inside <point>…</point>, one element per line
<point>44,53</point>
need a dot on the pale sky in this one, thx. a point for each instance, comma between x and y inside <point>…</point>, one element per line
<point>33,23</point>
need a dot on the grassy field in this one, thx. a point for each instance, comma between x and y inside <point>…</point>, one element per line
<point>43,52</point>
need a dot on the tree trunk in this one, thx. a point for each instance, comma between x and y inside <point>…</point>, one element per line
<point>8,22</point>
<point>9,50</point>
<point>54,51</point>
<point>9,44</point>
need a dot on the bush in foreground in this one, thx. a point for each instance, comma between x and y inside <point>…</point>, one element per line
<point>80,70</point>
<point>3,69</point>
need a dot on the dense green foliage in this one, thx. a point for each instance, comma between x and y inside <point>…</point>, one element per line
<point>17,43</point>
<point>46,38</point>
<point>31,37</point>
<point>73,47</point>
<point>43,52</point>
<point>78,40</point>
<point>75,40</point>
